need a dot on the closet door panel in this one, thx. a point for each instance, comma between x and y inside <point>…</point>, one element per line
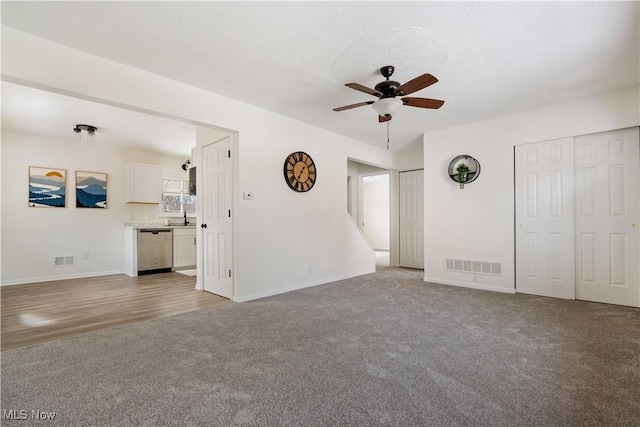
<point>545,218</point>
<point>607,214</point>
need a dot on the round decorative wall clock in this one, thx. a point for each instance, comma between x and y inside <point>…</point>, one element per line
<point>300,171</point>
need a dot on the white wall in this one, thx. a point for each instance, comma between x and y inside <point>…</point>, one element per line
<point>288,240</point>
<point>477,223</point>
<point>266,261</point>
<point>352,173</point>
<point>32,237</point>
<point>410,157</point>
<point>375,200</point>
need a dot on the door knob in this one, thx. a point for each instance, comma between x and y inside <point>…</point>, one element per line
<point>203,225</point>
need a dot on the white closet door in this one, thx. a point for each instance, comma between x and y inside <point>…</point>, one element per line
<point>607,216</point>
<point>545,219</point>
<point>412,219</point>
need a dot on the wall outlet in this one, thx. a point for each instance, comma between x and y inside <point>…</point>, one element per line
<point>474,278</point>
<point>85,255</point>
<point>310,269</point>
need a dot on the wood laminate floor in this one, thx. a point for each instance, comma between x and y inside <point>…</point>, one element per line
<point>40,312</point>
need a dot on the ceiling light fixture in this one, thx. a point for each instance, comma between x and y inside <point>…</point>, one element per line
<point>90,133</point>
<point>386,107</point>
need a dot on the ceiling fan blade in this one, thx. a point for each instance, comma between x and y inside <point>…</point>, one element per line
<point>382,119</point>
<point>364,89</point>
<point>416,84</point>
<point>348,107</point>
<point>422,102</point>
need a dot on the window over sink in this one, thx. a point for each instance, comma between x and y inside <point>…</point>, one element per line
<point>176,198</point>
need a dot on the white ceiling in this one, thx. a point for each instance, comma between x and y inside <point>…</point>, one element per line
<point>37,112</point>
<point>492,58</point>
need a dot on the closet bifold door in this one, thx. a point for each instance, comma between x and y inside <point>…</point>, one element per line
<point>544,200</point>
<point>412,219</point>
<point>607,167</point>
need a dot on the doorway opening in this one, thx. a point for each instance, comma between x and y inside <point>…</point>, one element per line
<point>369,199</point>
<point>376,216</point>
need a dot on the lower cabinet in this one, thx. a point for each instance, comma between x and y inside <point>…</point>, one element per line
<point>184,248</point>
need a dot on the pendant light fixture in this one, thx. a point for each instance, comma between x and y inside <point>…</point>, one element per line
<point>89,135</point>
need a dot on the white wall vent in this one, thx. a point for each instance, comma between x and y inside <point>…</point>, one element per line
<point>473,266</point>
<point>64,261</point>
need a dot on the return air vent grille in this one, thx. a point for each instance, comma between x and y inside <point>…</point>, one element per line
<point>473,266</point>
<point>64,261</point>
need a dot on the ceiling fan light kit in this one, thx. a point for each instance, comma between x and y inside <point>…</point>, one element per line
<point>387,107</point>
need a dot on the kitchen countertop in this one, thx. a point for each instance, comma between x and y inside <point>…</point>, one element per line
<point>140,226</point>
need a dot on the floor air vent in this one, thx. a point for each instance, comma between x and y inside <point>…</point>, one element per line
<point>474,267</point>
<point>64,261</point>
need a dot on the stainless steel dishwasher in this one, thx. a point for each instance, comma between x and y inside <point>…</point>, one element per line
<point>155,250</point>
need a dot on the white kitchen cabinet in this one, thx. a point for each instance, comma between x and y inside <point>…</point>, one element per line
<point>184,247</point>
<point>144,183</point>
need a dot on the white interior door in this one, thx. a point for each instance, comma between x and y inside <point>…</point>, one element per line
<point>412,219</point>
<point>545,219</point>
<point>607,216</point>
<point>217,222</point>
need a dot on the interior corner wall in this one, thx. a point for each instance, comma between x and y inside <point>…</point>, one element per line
<point>285,240</point>
<point>411,157</point>
<point>32,237</point>
<point>477,223</point>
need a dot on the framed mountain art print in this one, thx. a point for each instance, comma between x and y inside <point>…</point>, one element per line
<point>47,187</point>
<point>91,190</point>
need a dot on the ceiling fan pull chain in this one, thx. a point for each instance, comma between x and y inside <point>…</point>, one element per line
<point>387,135</point>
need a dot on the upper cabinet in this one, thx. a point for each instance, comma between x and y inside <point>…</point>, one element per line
<point>144,183</point>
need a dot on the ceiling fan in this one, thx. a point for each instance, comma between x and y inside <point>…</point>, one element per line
<point>386,91</point>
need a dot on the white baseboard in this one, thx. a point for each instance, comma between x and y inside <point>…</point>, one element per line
<point>470,285</point>
<point>298,287</point>
<point>54,278</point>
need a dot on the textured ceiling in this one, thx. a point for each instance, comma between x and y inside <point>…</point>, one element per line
<point>492,58</point>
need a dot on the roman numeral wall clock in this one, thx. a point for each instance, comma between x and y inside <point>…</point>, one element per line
<point>300,171</point>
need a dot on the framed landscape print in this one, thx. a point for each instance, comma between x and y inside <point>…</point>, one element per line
<point>91,190</point>
<point>47,187</point>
